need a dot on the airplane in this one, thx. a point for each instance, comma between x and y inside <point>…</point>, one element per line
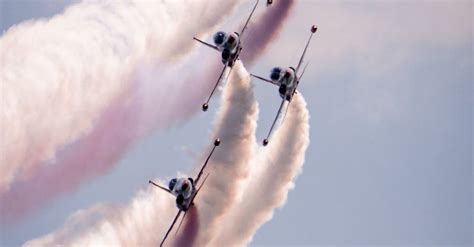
<point>185,190</point>
<point>230,46</point>
<point>287,80</point>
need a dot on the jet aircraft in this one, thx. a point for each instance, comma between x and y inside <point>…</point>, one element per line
<point>230,46</point>
<point>287,80</point>
<point>185,190</point>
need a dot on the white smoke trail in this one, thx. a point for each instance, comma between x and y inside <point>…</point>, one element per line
<point>236,126</point>
<point>271,178</point>
<point>60,74</point>
<point>142,222</point>
<point>138,224</point>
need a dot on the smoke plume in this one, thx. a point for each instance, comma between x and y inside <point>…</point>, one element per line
<point>236,125</point>
<point>259,36</point>
<point>272,176</point>
<point>92,89</point>
<point>61,74</point>
<point>153,210</point>
<point>131,113</point>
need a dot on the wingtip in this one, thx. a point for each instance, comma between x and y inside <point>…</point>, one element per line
<point>205,106</point>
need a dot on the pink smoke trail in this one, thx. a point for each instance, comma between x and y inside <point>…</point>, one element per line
<point>71,167</point>
<point>259,36</point>
<point>188,234</point>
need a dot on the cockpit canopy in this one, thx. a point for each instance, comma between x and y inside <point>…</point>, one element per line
<point>226,41</point>
<point>172,183</point>
<point>219,38</point>
<point>181,186</point>
<point>232,41</point>
<point>284,76</point>
<point>275,74</point>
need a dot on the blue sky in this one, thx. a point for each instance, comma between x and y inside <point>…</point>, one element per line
<point>389,90</point>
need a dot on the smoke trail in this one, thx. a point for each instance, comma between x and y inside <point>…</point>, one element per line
<point>133,114</point>
<point>271,179</point>
<point>70,168</point>
<point>236,125</point>
<point>232,162</point>
<point>258,37</point>
<point>150,213</point>
<point>125,116</point>
<point>188,234</point>
<point>61,74</point>
<point>137,224</point>
<point>212,219</point>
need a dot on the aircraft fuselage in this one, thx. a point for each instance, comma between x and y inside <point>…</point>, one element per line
<point>183,189</point>
<point>230,46</point>
<point>287,81</point>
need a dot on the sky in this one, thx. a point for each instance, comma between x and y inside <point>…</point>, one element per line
<point>389,92</point>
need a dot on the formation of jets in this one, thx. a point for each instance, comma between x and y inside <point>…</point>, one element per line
<point>287,80</point>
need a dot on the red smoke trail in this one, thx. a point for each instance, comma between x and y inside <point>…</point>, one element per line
<point>260,34</point>
<point>188,233</point>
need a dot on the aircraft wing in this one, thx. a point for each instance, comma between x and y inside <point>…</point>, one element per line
<point>161,187</point>
<point>302,73</point>
<point>264,79</point>
<point>207,44</point>
<point>206,105</point>
<point>298,81</point>
<point>304,52</point>
<point>265,142</point>
<point>248,19</point>
<point>216,143</point>
<point>197,191</point>
<point>171,227</point>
